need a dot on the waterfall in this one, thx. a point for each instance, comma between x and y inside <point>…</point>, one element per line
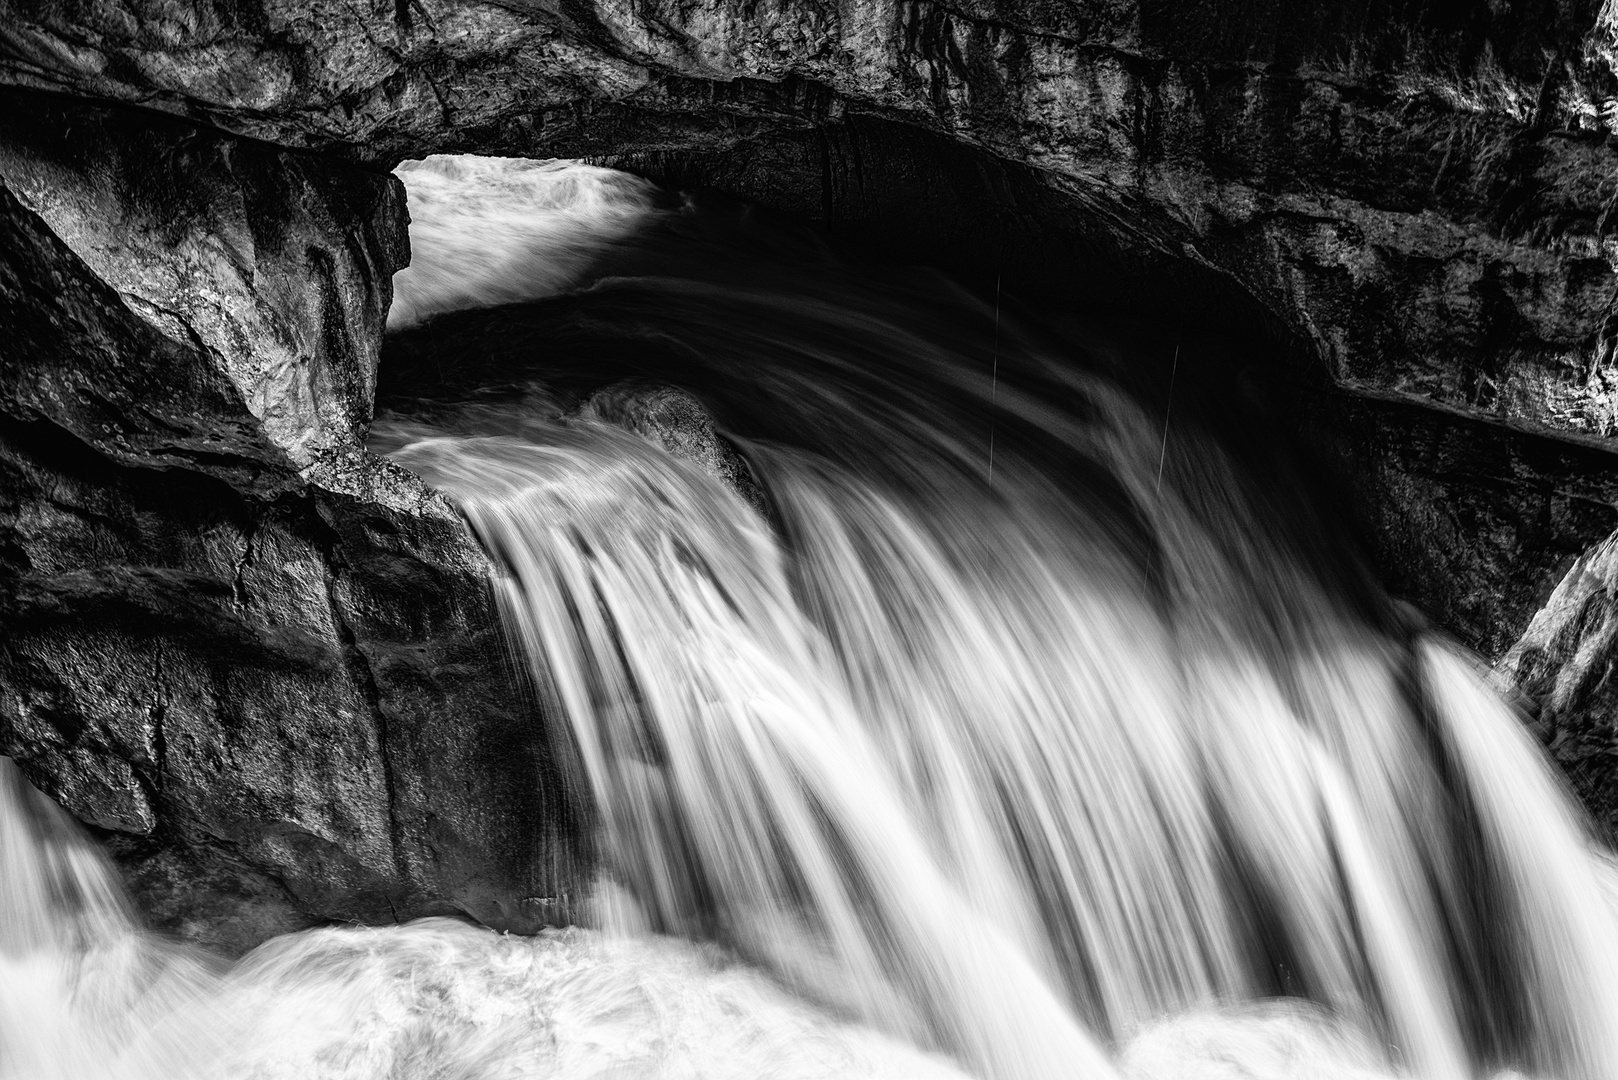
<point>1106,761</point>
<point>83,993</point>
<point>940,768</point>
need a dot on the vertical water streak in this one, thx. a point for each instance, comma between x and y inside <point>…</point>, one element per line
<point>82,992</point>
<point>939,756</point>
<point>743,799</point>
<point>1547,911</point>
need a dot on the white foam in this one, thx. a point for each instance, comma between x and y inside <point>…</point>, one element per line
<point>486,231</point>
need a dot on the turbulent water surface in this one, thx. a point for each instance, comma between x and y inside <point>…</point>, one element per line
<point>941,714</point>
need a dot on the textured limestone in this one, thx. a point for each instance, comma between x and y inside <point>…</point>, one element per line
<point>304,696</point>
<point>1472,521</point>
<point>1563,668</point>
<point>266,665</point>
<point>1415,198</point>
<point>273,266</point>
<point>674,420</point>
<point>1420,191</point>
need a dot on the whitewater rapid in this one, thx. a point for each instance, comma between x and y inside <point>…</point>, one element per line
<point>1098,762</point>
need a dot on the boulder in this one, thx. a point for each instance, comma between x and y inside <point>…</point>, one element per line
<point>1562,667</point>
<point>264,665</point>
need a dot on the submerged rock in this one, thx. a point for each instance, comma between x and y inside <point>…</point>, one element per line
<point>1411,201</point>
<point>676,421</point>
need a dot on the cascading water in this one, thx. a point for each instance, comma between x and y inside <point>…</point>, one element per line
<point>1011,763</point>
<point>84,994</point>
<point>1096,760</point>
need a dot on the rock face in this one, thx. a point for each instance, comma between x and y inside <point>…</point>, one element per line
<point>265,664</point>
<point>236,642</point>
<point>1563,665</point>
<point>1419,190</point>
<point>270,264</point>
<point>1473,522</point>
<point>1413,199</point>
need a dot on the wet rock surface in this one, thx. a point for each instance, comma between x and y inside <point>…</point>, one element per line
<point>1563,668</point>
<point>1420,192</point>
<point>1412,201</point>
<point>676,421</point>
<point>271,265</point>
<point>302,696</point>
<point>264,665</point>
<point>1473,522</point>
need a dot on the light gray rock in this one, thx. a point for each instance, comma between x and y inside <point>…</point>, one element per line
<point>274,267</point>
<point>676,421</point>
<point>1562,666</point>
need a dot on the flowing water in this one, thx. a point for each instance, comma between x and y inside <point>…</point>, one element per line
<point>941,714</point>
